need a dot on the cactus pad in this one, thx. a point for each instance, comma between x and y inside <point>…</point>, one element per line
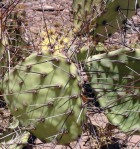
<point>43,94</point>
<point>115,76</point>
<point>114,18</point>
<point>84,10</point>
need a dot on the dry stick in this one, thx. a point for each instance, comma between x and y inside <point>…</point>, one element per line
<point>47,9</point>
<point>46,25</point>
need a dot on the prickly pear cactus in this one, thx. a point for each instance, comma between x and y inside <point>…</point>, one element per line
<point>84,10</point>
<point>43,93</point>
<point>115,78</point>
<point>114,18</point>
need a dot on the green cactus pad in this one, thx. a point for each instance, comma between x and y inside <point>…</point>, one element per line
<point>43,94</point>
<point>113,18</point>
<point>115,76</point>
<point>84,10</point>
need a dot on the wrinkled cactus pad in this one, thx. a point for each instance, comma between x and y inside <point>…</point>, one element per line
<point>115,76</point>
